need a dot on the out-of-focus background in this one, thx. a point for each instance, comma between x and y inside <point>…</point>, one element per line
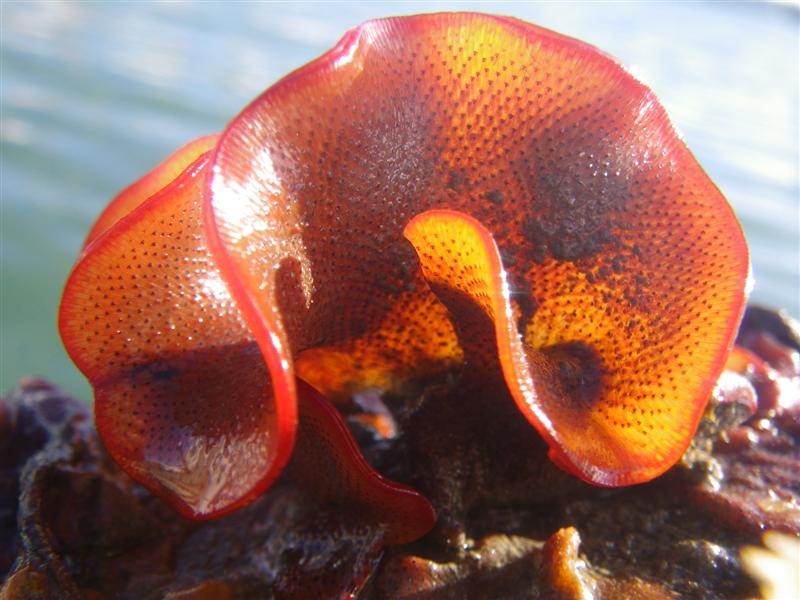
<point>94,94</point>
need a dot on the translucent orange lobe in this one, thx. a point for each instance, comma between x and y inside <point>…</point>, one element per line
<point>183,399</point>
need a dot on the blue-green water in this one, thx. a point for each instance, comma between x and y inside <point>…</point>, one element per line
<point>94,94</point>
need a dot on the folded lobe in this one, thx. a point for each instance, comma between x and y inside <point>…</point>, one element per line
<point>183,398</point>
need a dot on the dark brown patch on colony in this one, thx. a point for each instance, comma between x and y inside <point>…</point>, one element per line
<point>494,196</point>
<point>526,305</point>
<point>456,181</point>
<point>571,219</point>
<point>578,370</point>
<point>158,370</point>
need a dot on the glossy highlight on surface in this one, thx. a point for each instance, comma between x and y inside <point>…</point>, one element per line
<point>552,214</point>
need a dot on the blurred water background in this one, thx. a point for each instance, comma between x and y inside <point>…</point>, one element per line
<point>93,94</point>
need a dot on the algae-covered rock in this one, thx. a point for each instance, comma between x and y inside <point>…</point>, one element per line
<point>72,525</point>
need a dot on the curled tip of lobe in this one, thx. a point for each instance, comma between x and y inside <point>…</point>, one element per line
<point>604,429</point>
<point>328,461</point>
<point>142,189</point>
